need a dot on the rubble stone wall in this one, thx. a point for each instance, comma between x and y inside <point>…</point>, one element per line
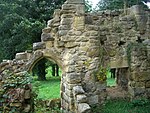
<point>84,45</point>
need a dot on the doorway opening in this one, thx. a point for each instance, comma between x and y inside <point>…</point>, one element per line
<point>46,85</point>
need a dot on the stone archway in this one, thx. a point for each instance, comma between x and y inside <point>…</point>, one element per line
<point>38,55</point>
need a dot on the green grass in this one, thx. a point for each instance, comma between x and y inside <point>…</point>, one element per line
<point>110,81</point>
<point>48,89</point>
<point>121,106</point>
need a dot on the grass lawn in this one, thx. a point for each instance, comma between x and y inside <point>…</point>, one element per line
<point>110,81</point>
<point>47,89</point>
<point>123,106</point>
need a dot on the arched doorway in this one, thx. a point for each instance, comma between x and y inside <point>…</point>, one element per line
<point>46,85</point>
<point>50,98</point>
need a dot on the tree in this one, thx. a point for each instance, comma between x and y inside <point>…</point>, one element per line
<point>41,70</point>
<point>21,23</point>
<point>116,4</point>
<point>55,70</point>
<point>88,6</point>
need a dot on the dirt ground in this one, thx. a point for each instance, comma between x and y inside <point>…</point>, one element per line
<point>116,92</point>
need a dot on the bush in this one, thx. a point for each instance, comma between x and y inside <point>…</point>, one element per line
<point>140,102</point>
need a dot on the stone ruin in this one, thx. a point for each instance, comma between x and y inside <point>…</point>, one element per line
<point>83,44</point>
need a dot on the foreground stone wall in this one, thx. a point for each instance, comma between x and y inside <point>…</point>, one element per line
<point>84,46</point>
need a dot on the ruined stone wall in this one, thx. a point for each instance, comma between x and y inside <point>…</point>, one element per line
<point>84,46</point>
<point>124,43</point>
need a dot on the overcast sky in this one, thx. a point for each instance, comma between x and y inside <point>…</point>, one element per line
<point>94,2</point>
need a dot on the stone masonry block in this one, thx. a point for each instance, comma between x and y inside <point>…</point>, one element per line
<point>21,56</point>
<point>39,45</point>
<point>140,76</point>
<point>148,84</point>
<point>46,37</point>
<point>68,7</point>
<point>78,90</point>
<point>73,78</point>
<point>84,108</point>
<point>66,21</point>
<point>81,98</point>
<point>93,99</point>
<point>80,9</point>
<point>27,94</point>
<point>79,23</point>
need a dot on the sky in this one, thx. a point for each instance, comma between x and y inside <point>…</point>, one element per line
<point>148,4</point>
<point>94,2</point>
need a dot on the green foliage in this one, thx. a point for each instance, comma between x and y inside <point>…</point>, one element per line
<point>120,106</point>
<point>110,4</point>
<point>11,87</point>
<point>140,102</point>
<point>21,23</point>
<point>45,91</point>
<point>16,80</point>
<point>88,6</point>
<point>116,4</point>
<point>111,82</point>
<point>40,106</point>
<point>49,71</point>
<point>101,74</point>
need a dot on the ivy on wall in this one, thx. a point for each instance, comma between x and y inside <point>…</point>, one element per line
<point>15,91</point>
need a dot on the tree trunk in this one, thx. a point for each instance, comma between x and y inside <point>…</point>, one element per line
<point>53,69</point>
<point>41,70</point>
<point>57,70</point>
<point>113,72</point>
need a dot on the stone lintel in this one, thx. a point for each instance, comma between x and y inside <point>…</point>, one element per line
<point>119,63</point>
